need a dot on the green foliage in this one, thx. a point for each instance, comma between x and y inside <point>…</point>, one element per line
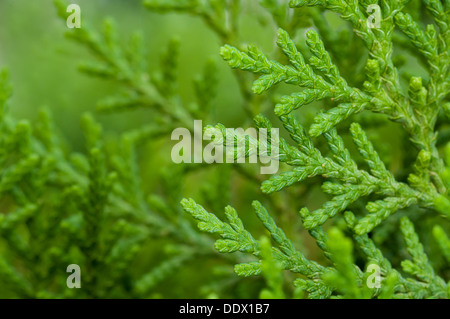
<point>91,209</point>
<point>52,194</point>
<point>349,186</point>
<point>346,96</point>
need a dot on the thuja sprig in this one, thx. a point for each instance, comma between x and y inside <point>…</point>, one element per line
<point>420,266</point>
<point>344,279</point>
<point>320,78</point>
<point>395,284</point>
<point>383,95</point>
<point>417,109</point>
<point>236,238</point>
<point>379,42</point>
<point>347,182</point>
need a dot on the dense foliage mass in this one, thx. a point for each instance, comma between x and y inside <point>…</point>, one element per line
<point>370,88</point>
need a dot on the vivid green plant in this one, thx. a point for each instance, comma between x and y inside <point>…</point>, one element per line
<point>416,109</point>
<point>342,95</point>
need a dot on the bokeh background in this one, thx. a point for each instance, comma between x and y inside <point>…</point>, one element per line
<point>43,65</point>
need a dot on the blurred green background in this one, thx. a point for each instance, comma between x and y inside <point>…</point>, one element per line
<point>43,67</point>
<point>43,64</point>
